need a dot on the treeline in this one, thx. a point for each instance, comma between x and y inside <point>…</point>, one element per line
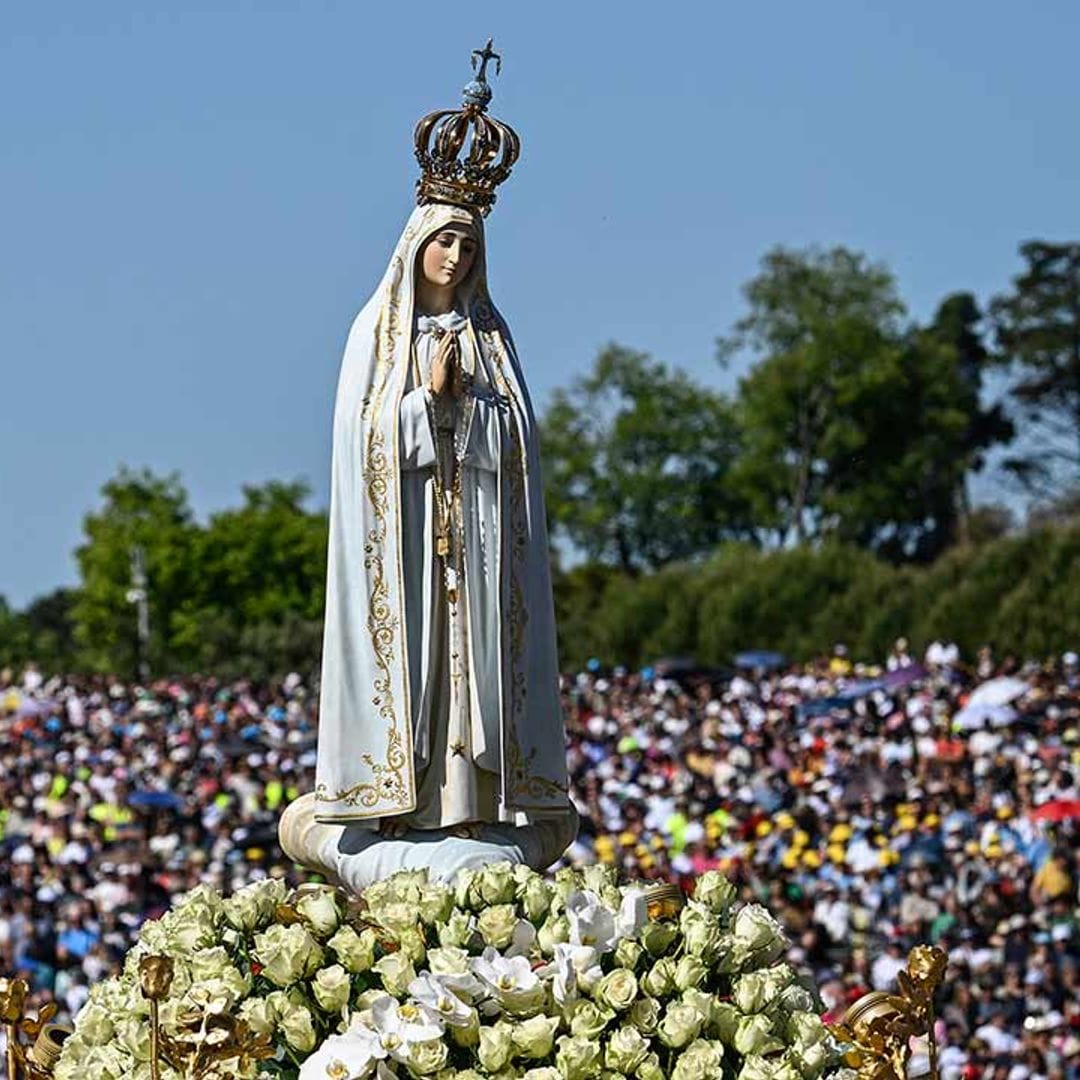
<point>242,594</point>
<point>853,423</point>
<point>827,497</point>
<point>1019,594</point>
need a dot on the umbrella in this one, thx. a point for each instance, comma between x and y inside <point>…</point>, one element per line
<point>1057,810</point>
<point>760,658</point>
<point>159,800</point>
<point>980,714</point>
<point>904,676</point>
<point>998,691</point>
<point>863,687</point>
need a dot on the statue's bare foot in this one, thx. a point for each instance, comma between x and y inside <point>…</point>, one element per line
<point>467,830</point>
<point>392,828</point>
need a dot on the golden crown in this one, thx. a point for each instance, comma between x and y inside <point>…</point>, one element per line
<point>464,154</point>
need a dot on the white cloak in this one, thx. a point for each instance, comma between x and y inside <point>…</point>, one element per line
<point>375,724</point>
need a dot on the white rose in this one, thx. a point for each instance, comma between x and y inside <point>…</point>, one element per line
<point>645,1015</point>
<point>496,1047</point>
<point>210,964</point>
<point>599,876</point>
<point>715,891</point>
<point>680,1026</point>
<point>754,1035</point>
<point>355,951</point>
<point>319,907</point>
<point>259,1015</point>
<point>252,907</point>
<point>297,1027</point>
<point>757,938</point>
<point>493,885</point>
<point>330,988</point>
<point>536,897</point>
<point>435,903</point>
<point>133,1035</point>
<point>428,1057</point>
<point>396,972</point>
<point>287,953</point>
<point>626,1050</point>
<point>578,1058</point>
<point>701,1060</point>
<point>534,1038</point>
<point>689,972</point>
<point>542,1072</point>
<point>458,930</point>
<point>701,931</point>
<point>617,989</point>
<point>94,1025</point>
<point>555,931</point>
<point>497,924</point>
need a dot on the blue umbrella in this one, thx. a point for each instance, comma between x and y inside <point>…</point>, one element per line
<point>760,658</point>
<point>159,800</point>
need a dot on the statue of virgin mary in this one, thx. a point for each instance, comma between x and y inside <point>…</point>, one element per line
<point>439,699</point>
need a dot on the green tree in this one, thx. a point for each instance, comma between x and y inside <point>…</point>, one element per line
<point>636,463</point>
<point>256,603</point>
<point>16,646</point>
<point>51,629</point>
<point>957,324</point>
<point>854,426</point>
<point>151,512</point>
<point>1037,326</point>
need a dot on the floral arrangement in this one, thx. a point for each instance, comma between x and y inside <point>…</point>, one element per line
<point>505,974</point>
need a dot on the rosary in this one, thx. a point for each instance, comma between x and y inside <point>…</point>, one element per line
<point>448,521</point>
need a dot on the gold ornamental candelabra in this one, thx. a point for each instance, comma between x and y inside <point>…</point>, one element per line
<point>879,1027</point>
<point>32,1043</point>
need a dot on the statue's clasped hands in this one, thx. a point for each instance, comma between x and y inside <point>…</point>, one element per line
<point>447,376</point>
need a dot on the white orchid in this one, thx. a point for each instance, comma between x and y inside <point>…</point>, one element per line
<point>564,988</point>
<point>436,993</point>
<point>577,967</point>
<point>510,979</point>
<point>633,913</point>
<point>344,1057</point>
<point>594,924</point>
<point>400,1026</point>
<point>524,939</point>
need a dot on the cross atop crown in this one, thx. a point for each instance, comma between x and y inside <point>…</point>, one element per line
<point>483,57</point>
<point>478,92</point>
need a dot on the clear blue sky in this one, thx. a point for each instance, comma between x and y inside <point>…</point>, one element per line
<point>197,198</point>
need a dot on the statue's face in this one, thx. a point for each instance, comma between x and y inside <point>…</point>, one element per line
<point>448,256</point>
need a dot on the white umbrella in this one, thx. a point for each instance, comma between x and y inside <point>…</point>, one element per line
<point>998,691</point>
<point>976,716</point>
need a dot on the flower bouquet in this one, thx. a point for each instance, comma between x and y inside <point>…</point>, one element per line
<point>505,974</point>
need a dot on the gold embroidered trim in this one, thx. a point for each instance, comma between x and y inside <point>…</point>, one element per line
<point>389,784</point>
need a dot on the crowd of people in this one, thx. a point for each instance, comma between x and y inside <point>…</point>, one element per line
<point>870,807</point>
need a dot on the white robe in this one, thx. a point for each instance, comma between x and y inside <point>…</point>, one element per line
<point>382,740</point>
<point>454,692</point>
